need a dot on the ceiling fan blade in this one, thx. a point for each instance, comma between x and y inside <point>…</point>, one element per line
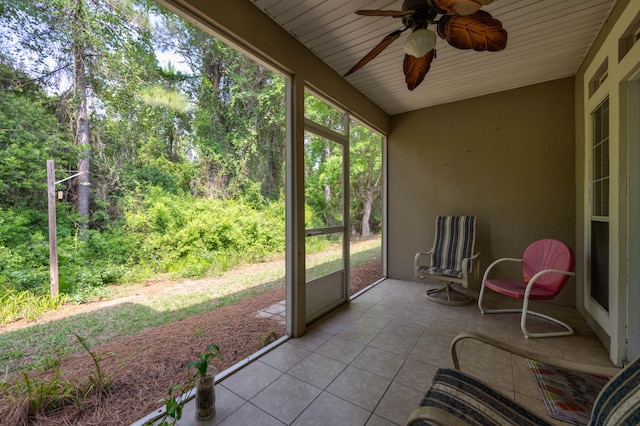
<point>375,51</point>
<point>479,32</point>
<point>394,13</point>
<point>461,7</point>
<point>416,68</point>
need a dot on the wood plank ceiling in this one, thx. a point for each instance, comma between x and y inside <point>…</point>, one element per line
<point>548,40</point>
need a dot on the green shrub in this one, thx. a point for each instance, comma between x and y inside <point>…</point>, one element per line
<point>160,232</point>
<point>25,304</point>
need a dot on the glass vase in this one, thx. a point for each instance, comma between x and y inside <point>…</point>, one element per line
<point>205,397</point>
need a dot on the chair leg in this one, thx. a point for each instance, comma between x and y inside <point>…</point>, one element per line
<point>523,319</point>
<point>523,324</point>
<point>452,296</point>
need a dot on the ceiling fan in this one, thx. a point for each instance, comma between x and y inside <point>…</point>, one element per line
<point>460,22</point>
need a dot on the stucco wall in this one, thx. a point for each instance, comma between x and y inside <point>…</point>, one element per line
<point>507,158</point>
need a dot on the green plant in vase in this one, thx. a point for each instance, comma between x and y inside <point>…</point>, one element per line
<point>173,408</point>
<point>205,383</point>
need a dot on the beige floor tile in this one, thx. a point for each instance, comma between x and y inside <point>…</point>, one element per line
<point>361,304</point>
<point>416,374</point>
<point>359,387</point>
<point>397,338</point>
<point>524,383</point>
<point>285,356</point>
<point>376,420</point>
<point>372,320</point>
<point>328,409</point>
<point>398,402</point>
<point>346,313</point>
<point>359,333</point>
<point>487,370</point>
<point>317,370</point>
<point>249,414</point>
<point>474,348</point>
<point>331,325</point>
<point>312,340</point>
<point>374,295</point>
<point>432,349</point>
<point>251,379</point>
<point>379,361</point>
<point>286,398</point>
<point>340,349</point>
<point>371,362</point>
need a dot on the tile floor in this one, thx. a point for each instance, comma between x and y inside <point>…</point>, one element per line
<point>370,362</point>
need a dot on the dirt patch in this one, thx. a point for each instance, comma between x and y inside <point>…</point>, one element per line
<point>364,276</point>
<point>160,356</point>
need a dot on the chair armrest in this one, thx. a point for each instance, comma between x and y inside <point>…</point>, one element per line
<point>556,362</point>
<point>465,268</point>
<point>434,416</point>
<point>466,260</point>
<point>533,279</point>
<point>428,253</point>
<point>495,262</point>
<point>416,260</point>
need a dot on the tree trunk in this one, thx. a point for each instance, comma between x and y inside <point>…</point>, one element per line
<point>368,203</point>
<point>82,122</point>
<point>327,188</point>
<point>173,144</point>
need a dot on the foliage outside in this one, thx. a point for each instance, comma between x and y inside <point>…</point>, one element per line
<point>40,345</point>
<point>184,156</point>
<point>181,141</point>
<point>34,395</point>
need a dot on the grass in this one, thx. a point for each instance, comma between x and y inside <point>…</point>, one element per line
<point>25,304</point>
<point>328,261</point>
<point>41,345</point>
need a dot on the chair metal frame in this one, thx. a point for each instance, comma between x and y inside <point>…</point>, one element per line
<point>525,311</point>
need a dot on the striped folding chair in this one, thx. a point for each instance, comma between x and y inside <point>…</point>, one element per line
<point>451,259</point>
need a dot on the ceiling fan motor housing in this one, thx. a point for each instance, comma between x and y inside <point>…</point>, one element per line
<point>460,22</point>
<point>425,12</point>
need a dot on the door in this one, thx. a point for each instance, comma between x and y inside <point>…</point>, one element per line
<point>326,157</point>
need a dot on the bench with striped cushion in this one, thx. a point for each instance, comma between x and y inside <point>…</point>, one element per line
<point>458,398</point>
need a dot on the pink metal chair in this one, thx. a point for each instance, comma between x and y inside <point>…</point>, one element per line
<point>546,267</point>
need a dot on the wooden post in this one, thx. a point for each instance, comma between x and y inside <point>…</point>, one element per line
<point>53,239</point>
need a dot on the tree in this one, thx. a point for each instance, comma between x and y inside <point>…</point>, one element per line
<point>365,172</point>
<point>323,162</point>
<point>79,42</point>
<point>29,135</point>
<point>81,84</point>
<point>323,168</point>
<point>238,116</point>
<point>323,180</point>
<point>73,47</point>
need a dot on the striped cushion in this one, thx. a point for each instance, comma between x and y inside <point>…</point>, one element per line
<point>439,271</point>
<point>474,402</point>
<point>454,241</point>
<point>619,401</point>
